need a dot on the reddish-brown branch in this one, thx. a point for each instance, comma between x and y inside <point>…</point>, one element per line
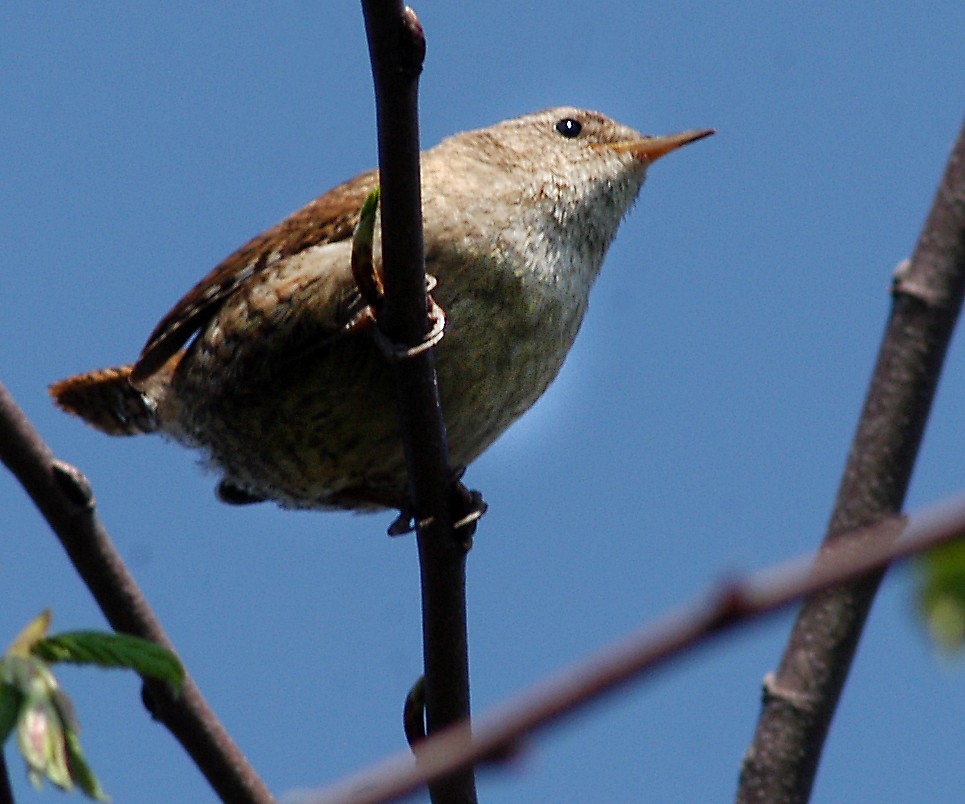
<point>800,700</point>
<point>397,48</point>
<point>733,604</point>
<point>66,502</point>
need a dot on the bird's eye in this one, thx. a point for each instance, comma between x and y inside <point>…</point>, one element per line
<point>569,127</point>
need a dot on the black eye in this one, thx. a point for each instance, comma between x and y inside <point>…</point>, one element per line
<point>569,127</point>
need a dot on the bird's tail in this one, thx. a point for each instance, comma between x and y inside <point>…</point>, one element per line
<point>105,399</point>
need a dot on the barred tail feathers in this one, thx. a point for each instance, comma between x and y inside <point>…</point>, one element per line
<point>105,399</point>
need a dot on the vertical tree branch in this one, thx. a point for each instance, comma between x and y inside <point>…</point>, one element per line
<point>800,699</point>
<point>397,49</point>
<point>6,793</point>
<point>67,503</point>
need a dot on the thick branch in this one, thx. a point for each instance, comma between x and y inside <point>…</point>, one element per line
<point>67,503</point>
<point>397,48</point>
<point>799,702</point>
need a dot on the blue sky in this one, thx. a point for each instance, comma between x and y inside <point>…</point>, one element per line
<point>698,429</point>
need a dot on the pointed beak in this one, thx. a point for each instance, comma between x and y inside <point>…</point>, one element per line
<point>650,149</point>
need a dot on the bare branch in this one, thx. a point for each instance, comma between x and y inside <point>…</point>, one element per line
<point>397,48</point>
<point>65,499</point>
<point>6,793</point>
<point>781,763</point>
<point>731,605</point>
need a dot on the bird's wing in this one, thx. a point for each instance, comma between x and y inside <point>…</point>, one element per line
<point>328,219</point>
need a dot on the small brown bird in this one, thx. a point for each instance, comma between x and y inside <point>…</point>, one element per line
<point>265,367</point>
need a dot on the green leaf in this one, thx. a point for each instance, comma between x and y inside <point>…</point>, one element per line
<point>40,730</point>
<point>31,699</point>
<point>364,232</point>
<point>10,703</point>
<point>367,211</point>
<point>941,594</point>
<point>81,772</point>
<point>363,265</point>
<point>112,650</point>
<point>36,630</point>
<point>22,673</point>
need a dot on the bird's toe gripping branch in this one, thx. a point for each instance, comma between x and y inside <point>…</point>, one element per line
<point>466,506</point>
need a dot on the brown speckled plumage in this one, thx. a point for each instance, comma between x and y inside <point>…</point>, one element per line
<point>258,367</point>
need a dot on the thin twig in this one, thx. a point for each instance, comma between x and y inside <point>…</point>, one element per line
<point>799,702</point>
<point>397,49</point>
<point>732,604</point>
<point>6,792</point>
<point>65,499</point>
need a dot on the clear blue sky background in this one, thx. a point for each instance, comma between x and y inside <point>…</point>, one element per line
<point>698,428</point>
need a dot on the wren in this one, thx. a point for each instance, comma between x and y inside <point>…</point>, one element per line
<point>265,368</point>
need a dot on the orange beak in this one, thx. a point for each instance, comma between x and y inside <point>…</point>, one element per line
<point>650,149</point>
